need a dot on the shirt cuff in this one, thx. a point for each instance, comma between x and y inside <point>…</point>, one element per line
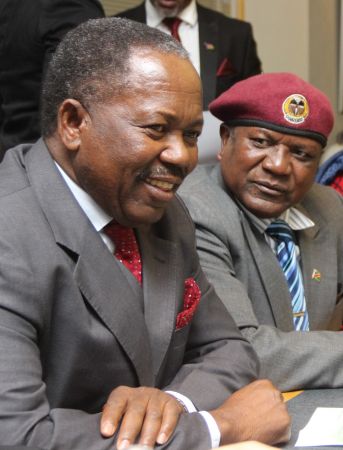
<point>185,401</point>
<point>212,428</point>
<point>210,422</point>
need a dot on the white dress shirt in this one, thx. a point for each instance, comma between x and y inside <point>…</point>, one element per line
<point>188,30</point>
<point>292,216</point>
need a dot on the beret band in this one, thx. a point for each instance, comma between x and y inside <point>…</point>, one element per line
<point>281,129</point>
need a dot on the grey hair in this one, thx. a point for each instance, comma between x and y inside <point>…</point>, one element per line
<point>91,63</point>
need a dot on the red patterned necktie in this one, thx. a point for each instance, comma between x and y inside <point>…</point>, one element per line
<point>126,248</point>
<point>173,24</point>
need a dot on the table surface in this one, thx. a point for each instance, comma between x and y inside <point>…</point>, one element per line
<point>301,407</point>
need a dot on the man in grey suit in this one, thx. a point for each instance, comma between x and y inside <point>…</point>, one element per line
<point>140,336</point>
<point>273,133</point>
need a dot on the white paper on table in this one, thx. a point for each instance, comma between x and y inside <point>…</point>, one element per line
<point>325,427</point>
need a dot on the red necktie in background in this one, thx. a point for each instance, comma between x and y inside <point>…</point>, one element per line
<point>126,248</point>
<point>173,24</point>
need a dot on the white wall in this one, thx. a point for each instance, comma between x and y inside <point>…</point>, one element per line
<point>300,36</point>
<point>281,29</point>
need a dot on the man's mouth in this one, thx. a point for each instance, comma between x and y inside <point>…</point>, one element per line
<point>272,188</point>
<point>164,185</point>
<point>167,3</point>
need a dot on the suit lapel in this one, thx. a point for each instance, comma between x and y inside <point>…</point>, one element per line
<point>115,300</point>
<point>138,13</point>
<point>208,44</point>
<point>98,274</point>
<point>160,275</point>
<point>271,275</point>
<point>316,259</point>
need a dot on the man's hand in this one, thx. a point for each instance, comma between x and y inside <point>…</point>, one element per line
<point>146,412</point>
<point>255,412</point>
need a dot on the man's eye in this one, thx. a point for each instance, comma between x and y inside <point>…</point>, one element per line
<point>260,142</point>
<point>192,135</point>
<point>156,127</point>
<point>302,154</point>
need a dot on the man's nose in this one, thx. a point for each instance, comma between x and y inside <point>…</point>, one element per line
<point>278,160</point>
<point>178,152</point>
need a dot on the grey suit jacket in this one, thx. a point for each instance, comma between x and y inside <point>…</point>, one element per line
<point>220,38</point>
<point>75,324</point>
<point>246,275</point>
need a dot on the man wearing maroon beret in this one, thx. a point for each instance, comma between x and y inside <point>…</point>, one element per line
<point>271,240</point>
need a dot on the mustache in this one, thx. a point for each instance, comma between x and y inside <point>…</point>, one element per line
<point>163,171</point>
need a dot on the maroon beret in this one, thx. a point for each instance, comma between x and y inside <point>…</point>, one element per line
<point>278,101</point>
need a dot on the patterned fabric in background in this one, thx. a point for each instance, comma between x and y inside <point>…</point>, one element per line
<point>330,172</point>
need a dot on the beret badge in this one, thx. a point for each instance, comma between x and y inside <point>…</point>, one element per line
<point>295,108</point>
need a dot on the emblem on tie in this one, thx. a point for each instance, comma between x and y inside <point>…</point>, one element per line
<point>316,275</point>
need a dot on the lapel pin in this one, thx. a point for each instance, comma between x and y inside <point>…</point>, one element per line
<point>209,46</point>
<point>316,275</point>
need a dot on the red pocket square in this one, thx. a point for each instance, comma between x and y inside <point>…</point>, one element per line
<point>225,68</point>
<point>191,300</point>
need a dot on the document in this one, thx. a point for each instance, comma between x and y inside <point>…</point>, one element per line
<point>325,427</point>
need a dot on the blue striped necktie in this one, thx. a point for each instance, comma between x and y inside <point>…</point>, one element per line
<point>286,254</point>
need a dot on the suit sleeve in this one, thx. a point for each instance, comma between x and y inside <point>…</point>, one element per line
<point>290,359</point>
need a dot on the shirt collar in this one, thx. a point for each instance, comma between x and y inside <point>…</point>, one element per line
<point>154,17</point>
<point>296,219</point>
<point>97,216</point>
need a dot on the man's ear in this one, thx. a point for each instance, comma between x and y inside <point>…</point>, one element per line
<point>224,135</point>
<point>72,118</point>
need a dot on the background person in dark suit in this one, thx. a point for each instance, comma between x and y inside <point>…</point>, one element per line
<point>222,49</point>
<point>29,34</point>
<point>274,129</point>
<point>102,298</point>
